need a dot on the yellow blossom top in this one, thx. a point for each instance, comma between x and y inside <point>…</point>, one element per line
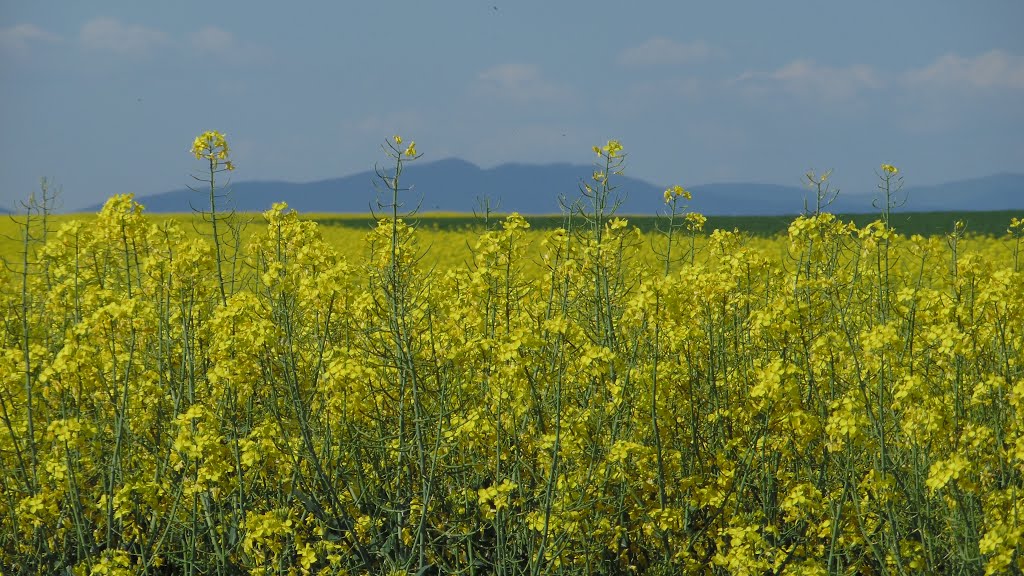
<point>213,146</point>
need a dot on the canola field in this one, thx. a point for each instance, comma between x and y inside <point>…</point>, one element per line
<point>270,396</point>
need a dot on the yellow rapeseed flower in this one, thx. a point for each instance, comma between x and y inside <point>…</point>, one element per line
<point>676,192</point>
<point>890,169</point>
<point>611,149</point>
<point>211,145</point>
<point>695,221</point>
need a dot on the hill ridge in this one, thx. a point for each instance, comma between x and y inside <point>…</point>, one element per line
<point>454,185</point>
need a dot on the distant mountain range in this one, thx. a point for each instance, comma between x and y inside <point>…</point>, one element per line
<point>454,185</point>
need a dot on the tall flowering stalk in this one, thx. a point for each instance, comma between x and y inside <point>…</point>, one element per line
<point>212,147</point>
<point>675,207</point>
<point>890,187</point>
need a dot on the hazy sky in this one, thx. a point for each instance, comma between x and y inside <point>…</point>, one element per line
<point>105,97</point>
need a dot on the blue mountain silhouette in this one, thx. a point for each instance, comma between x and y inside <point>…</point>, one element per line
<point>456,185</point>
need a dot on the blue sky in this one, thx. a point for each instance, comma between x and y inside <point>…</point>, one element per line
<point>105,97</point>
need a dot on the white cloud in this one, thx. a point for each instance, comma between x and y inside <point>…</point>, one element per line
<point>661,51</point>
<point>995,69</point>
<point>521,83</point>
<point>805,77</point>
<point>110,35</point>
<point>18,40</point>
<point>212,40</point>
<point>217,45</point>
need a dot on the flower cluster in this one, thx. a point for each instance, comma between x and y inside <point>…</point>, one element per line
<point>677,191</point>
<point>410,149</point>
<point>213,146</point>
<point>612,149</point>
